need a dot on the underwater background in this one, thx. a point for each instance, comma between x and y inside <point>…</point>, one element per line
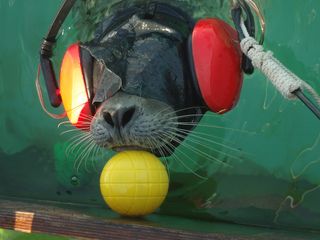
<point>269,147</point>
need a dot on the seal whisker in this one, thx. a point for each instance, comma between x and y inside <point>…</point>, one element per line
<point>75,108</point>
<point>78,146</point>
<point>71,131</point>
<point>193,132</point>
<point>188,108</point>
<point>82,114</point>
<point>185,116</point>
<point>88,156</point>
<point>181,162</point>
<point>77,160</point>
<point>82,155</point>
<point>185,132</point>
<point>69,124</point>
<point>85,117</point>
<point>212,126</point>
<point>84,122</point>
<point>84,126</point>
<point>63,123</point>
<point>206,140</point>
<point>162,137</point>
<point>151,144</point>
<point>75,143</point>
<point>95,156</point>
<point>69,150</point>
<point>211,158</point>
<point>213,149</point>
<point>165,116</point>
<point>177,117</point>
<point>77,136</point>
<point>163,110</point>
<point>209,148</point>
<point>163,156</point>
<point>155,117</point>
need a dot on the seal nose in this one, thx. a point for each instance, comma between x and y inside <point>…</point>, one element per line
<point>120,117</point>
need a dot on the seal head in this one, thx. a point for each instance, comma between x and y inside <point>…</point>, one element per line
<point>142,88</point>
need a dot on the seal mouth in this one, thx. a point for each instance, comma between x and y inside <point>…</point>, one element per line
<point>129,147</point>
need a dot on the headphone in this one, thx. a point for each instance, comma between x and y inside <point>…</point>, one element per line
<point>214,57</point>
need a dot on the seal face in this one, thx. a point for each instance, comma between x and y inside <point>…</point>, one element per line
<point>128,121</point>
<point>142,88</point>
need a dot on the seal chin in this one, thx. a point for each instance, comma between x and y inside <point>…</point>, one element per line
<point>128,148</point>
<point>156,151</point>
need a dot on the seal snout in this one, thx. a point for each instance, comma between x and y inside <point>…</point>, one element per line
<point>119,118</point>
<point>132,122</point>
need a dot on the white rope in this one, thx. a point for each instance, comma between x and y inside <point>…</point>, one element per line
<point>282,78</point>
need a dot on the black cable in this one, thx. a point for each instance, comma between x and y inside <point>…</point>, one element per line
<point>50,39</point>
<point>46,53</point>
<point>249,21</point>
<point>236,13</point>
<point>307,102</point>
<point>61,16</point>
<point>236,17</point>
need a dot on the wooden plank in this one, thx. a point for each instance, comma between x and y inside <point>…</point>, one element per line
<point>41,218</point>
<point>38,218</point>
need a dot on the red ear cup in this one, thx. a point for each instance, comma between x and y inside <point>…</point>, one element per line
<point>217,63</point>
<point>73,88</point>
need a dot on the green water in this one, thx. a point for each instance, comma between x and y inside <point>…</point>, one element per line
<point>270,146</point>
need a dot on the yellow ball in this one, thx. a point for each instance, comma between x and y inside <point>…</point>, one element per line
<point>134,183</point>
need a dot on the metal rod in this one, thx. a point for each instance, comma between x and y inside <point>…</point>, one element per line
<point>307,102</point>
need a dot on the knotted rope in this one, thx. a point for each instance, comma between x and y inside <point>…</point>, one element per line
<point>283,79</point>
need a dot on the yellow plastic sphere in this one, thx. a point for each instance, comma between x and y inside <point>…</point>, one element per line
<point>134,183</point>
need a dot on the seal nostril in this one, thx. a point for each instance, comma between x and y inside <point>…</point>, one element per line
<point>108,118</point>
<point>127,116</point>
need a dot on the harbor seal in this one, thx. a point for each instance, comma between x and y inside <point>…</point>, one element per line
<point>144,94</point>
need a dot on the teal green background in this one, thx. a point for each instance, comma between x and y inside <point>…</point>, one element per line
<point>269,146</point>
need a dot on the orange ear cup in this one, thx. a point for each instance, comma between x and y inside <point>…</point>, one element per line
<point>73,88</point>
<point>217,63</point>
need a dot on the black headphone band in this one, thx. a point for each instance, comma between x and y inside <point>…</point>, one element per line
<point>46,53</point>
<point>50,39</point>
<point>150,10</point>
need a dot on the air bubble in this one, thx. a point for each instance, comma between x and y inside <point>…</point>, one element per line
<point>75,180</point>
